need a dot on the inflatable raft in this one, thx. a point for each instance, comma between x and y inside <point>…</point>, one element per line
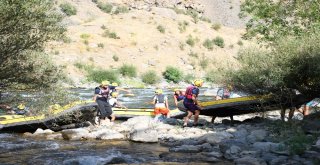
<point>247,104</point>
<point>75,113</point>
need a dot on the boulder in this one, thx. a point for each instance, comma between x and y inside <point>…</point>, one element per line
<point>144,135</point>
<point>74,134</point>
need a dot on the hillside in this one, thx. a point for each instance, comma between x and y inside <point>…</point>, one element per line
<point>149,38</point>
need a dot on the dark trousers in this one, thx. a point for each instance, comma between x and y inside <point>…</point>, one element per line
<point>104,108</point>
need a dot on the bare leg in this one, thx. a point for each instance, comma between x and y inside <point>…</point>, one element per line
<point>291,112</point>
<point>213,118</point>
<point>283,113</point>
<point>113,117</point>
<point>231,118</point>
<point>306,110</point>
<point>196,117</point>
<point>186,119</point>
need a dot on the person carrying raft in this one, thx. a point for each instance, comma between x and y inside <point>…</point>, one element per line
<point>178,96</point>
<point>190,102</point>
<point>161,107</point>
<point>101,96</point>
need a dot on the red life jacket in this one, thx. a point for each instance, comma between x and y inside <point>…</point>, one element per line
<point>189,92</point>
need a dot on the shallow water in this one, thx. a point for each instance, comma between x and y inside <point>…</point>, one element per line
<point>16,149</point>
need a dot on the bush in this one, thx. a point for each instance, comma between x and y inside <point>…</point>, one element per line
<point>191,41</point>
<point>161,29</point>
<point>82,66</point>
<point>173,74</point>
<point>193,54</point>
<point>121,9</point>
<point>109,34</point>
<point>85,36</point>
<point>189,78</point>
<point>100,45</point>
<point>128,70</point>
<point>208,44</point>
<point>219,42</point>
<point>68,9</point>
<point>150,77</point>
<point>183,26</point>
<point>101,74</point>
<point>115,58</point>
<point>204,62</point>
<point>106,7</point>
<point>291,63</point>
<point>216,26</point>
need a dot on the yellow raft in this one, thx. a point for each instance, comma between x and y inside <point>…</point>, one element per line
<point>76,112</point>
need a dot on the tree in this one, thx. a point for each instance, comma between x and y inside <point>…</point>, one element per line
<point>25,27</point>
<point>292,63</point>
<point>271,19</point>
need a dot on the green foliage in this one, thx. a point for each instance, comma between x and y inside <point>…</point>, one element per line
<point>272,19</point>
<point>121,9</point>
<point>85,36</point>
<point>291,134</point>
<point>219,42</point>
<point>68,9</point>
<point>179,11</point>
<point>204,62</point>
<point>193,54</point>
<point>150,77</point>
<point>191,41</point>
<point>205,19</point>
<point>106,7</point>
<point>182,45</point>
<point>115,58</point>
<point>183,26</point>
<point>82,66</point>
<point>109,34</point>
<point>161,29</point>
<point>100,45</point>
<point>25,28</point>
<point>128,70</point>
<point>189,78</point>
<point>194,14</point>
<point>216,26</point>
<point>292,63</point>
<point>98,75</point>
<point>173,74</point>
<point>208,44</point>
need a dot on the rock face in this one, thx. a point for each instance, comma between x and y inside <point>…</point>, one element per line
<point>148,4</point>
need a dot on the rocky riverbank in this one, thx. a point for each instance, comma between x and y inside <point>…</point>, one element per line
<point>247,141</point>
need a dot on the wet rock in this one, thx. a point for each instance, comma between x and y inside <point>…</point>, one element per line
<point>212,160</point>
<point>226,144</point>
<point>215,154</point>
<point>54,136</point>
<point>232,152</point>
<point>266,146</point>
<point>249,161</point>
<point>186,149</point>
<point>257,135</point>
<point>171,121</point>
<point>278,160</point>
<point>74,134</point>
<point>105,134</point>
<point>144,135</point>
<point>215,138</point>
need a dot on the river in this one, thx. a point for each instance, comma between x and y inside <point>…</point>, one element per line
<point>17,149</point>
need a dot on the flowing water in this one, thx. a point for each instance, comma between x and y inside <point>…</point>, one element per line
<point>16,149</point>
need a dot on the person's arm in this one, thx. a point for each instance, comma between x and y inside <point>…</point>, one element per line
<point>167,105</point>
<point>122,89</point>
<point>175,100</point>
<point>154,100</point>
